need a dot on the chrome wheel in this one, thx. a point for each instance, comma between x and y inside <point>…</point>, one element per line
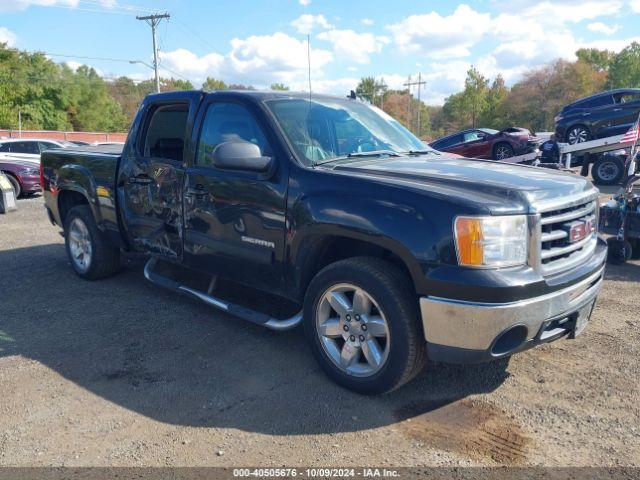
<point>353,330</point>
<point>80,245</point>
<point>608,171</point>
<point>503,151</point>
<point>577,135</point>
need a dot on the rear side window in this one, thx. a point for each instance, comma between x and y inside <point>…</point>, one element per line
<point>628,98</point>
<point>25,147</point>
<point>165,132</point>
<point>47,146</point>
<point>447,142</point>
<point>228,122</point>
<point>5,147</point>
<point>600,102</point>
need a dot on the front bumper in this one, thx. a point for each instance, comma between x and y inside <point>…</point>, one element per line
<point>30,184</point>
<point>470,332</point>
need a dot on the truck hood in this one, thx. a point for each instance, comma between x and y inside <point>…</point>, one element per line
<point>500,188</point>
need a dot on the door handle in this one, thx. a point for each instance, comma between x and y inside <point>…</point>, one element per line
<point>140,180</point>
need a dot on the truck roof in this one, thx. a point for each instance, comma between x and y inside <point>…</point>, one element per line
<point>259,95</point>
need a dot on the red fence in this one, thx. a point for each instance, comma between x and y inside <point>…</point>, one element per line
<point>56,135</point>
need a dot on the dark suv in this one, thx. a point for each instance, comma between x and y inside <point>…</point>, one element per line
<point>598,116</point>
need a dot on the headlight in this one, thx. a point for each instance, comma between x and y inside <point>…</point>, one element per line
<point>30,171</point>
<point>491,241</point>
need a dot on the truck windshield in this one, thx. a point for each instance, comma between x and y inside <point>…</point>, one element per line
<point>324,129</point>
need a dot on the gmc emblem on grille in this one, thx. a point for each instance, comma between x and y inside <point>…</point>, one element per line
<point>580,229</point>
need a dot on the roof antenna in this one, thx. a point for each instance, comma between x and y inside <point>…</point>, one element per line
<point>309,63</point>
<point>313,151</point>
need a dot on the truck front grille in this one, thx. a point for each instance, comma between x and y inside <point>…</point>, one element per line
<point>558,251</point>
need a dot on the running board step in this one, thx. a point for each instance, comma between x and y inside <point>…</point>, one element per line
<point>231,308</point>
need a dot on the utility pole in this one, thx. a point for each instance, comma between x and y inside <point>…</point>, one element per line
<point>153,21</point>
<point>408,85</point>
<point>419,84</point>
<point>19,123</point>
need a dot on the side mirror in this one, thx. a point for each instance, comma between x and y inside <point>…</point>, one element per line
<point>240,155</point>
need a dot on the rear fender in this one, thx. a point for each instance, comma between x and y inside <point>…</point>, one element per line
<point>79,179</point>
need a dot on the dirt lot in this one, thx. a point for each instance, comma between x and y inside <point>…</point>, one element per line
<point>119,372</point>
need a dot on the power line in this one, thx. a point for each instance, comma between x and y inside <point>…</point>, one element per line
<point>84,57</point>
<point>195,34</point>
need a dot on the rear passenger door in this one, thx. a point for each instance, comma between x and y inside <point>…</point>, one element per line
<point>235,219</point>
<point>27,150</point>
<point>151,175</point>
<point>629,109</point>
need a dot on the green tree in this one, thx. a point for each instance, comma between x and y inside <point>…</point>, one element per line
<point>624,71</point>
<point>598,59</point>
<point>211,84</point>
<point>495,114</point>
<point>371,89</point>
<point>475,94</point>
<point>279,86</point>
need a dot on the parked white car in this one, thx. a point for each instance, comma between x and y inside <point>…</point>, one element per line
<point>29,149</point>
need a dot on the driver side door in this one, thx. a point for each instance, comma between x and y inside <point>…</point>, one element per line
<point>235,219</point>
<point>476,144</point>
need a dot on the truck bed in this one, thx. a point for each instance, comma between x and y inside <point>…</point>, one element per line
<point>90,171</point>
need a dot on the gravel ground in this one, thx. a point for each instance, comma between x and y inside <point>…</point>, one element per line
<point>121,373</point>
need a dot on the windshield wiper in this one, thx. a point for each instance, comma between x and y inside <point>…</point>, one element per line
<point>372,153</point>
<point>422,152</point>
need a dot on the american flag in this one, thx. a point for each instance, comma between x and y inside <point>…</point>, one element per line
<point>632,135</point>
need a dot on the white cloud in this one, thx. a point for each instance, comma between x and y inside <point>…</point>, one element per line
<point>306,23</point>
<point>368,22</point>
<point>73,65</point>
<point>599,27</point>
<point>337,86</point>
<point>17,5</point>
<point>189,64</point>
<point>439,37</point>
<point>635,5</point>
<point>258,60</point>
<point>568,11</point>
<point>7,36</point>
<point>304,3</point>
<point>608,44</point>
<point>354,46</point>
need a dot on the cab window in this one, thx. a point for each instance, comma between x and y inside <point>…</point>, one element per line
<point>228,122</point>
<point>165,132</point>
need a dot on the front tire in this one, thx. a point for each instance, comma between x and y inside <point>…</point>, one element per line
<point>361,321</point>
<point>90,254</point>
<point>620,251</point>
<point>16,185</point>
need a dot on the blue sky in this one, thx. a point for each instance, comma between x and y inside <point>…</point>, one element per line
<point>259,42</point>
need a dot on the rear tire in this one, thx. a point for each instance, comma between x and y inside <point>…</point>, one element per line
<point>375,344</point>
<point>578,134</point>
<point>16,185</point>
<point>91,255</point>
<point>607,171</point>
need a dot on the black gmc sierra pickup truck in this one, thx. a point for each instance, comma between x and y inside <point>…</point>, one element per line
<point>393,252</point>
